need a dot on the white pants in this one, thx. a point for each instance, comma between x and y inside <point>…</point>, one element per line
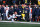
<point>7,13</point>
<point>11,17</point>
<point>30,15</point>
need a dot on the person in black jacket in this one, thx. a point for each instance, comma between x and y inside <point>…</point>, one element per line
<point>2,12</point>
<point>27,13</point>
<point>0,8</point>
<point>11,10</point>
<point>36,13</point>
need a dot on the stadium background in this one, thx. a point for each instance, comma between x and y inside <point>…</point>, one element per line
<point>19,2</point>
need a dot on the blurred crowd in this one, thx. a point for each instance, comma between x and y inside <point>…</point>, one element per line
<point>12,2</point>
<point>18,2</point>
<point>20,12</point>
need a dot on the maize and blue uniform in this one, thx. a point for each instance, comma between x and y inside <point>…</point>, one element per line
<point>23,14</point>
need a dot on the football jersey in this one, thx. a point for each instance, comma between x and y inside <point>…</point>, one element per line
<point>30,10</point>
<point>6,8</point>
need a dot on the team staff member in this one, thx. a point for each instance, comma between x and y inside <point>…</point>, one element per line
<point>36,13</point>
<point>0,8</point>
<point>11,10</point>
<point>27,13</point>
<point>2,12</point>
<point>19,13</point>
<point>39,14</point>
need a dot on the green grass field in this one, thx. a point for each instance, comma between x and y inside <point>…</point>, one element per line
<point>11,24</point>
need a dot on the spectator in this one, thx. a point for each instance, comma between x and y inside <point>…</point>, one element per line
<point>0,2</point>
<point>13,1</point>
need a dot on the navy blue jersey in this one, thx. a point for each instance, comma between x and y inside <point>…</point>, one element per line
<point>19,11</point>
<point>2,10</point>
<point>33,11</point>
<point>39,12</point>
<point>11,11</point>
<point>36,11</point>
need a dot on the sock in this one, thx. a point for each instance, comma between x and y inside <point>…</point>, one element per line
<point>12,20</point>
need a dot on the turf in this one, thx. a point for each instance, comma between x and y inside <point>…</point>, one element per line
<point>18,25</point>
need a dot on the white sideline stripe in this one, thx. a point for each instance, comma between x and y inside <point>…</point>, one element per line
<point>22,22</point>
<point>5,21</point>
<point>28,22</point>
